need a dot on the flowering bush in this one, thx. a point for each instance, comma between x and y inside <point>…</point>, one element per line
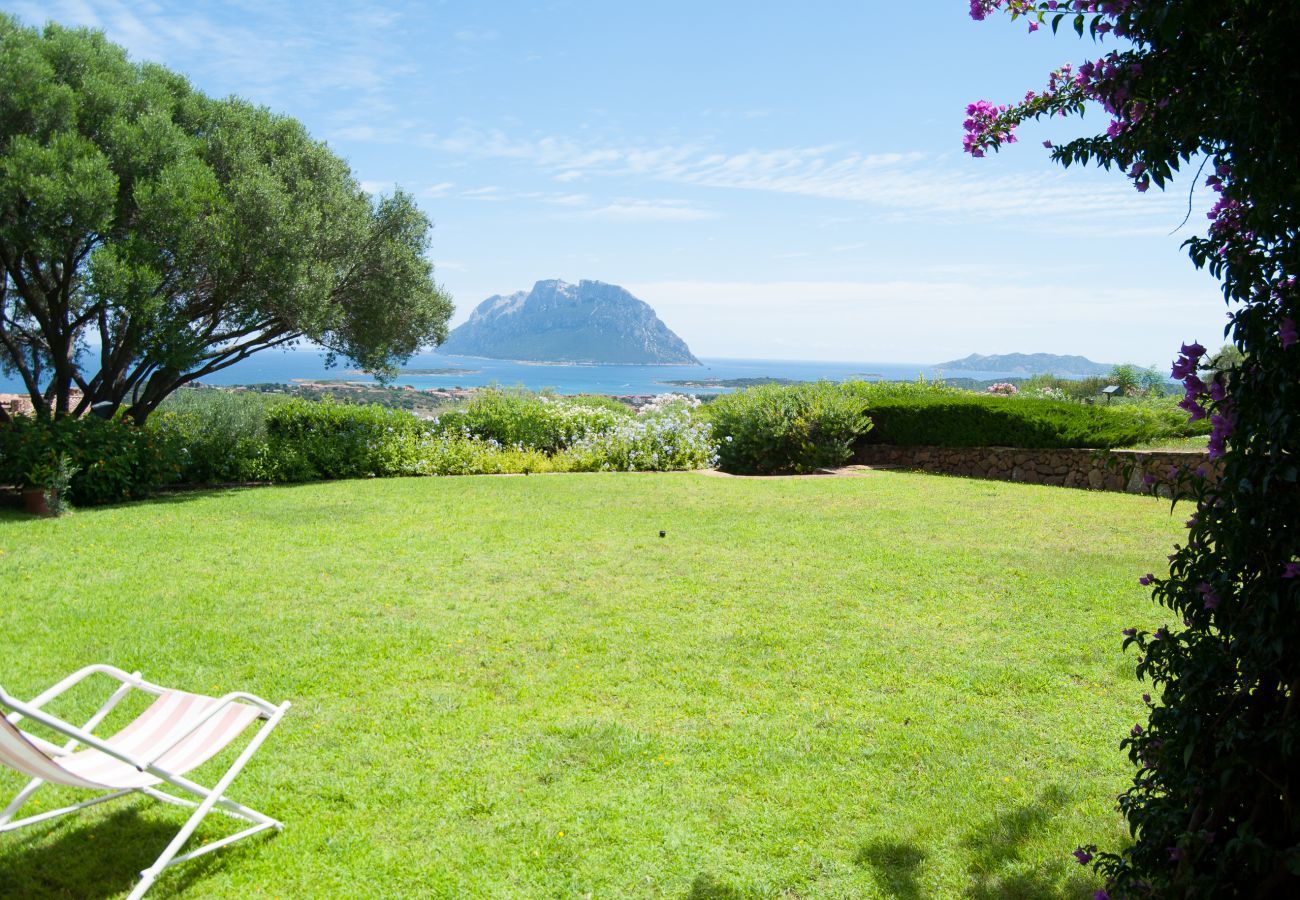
<point>1212,807</point>
<point>1002,388</point>
<point>654,442</point>
<point>665,402</point>
<point>534,421</point>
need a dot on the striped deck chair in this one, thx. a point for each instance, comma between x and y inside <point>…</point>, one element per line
<point>177,733</point>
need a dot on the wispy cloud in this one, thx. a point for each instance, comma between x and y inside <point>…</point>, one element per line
<point>476,35</point>
<point>633,210</point>
<point>903,183</point>
<point>280,57</point>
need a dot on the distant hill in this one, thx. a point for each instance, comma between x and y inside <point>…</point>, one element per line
<point>590,322</point>
<point>1028,364</point>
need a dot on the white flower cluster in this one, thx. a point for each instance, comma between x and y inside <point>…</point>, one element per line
<point>666,402</point>
<point>655,443</point>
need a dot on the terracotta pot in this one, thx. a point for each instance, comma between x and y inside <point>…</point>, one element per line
<point>34,502</point>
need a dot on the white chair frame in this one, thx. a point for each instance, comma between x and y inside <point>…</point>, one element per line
<point>209,799</point>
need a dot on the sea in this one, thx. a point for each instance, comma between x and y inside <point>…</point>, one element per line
<point>440,370</point>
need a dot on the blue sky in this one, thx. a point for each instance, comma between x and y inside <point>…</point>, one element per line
<point>778,180</point>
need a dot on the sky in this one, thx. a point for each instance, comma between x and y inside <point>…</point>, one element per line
<point>777,180</point>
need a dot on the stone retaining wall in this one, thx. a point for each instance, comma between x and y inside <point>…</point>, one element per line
<point>1134,471</point>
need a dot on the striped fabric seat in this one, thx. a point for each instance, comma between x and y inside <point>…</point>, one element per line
<point>177,733</point>
<point>171,716</point>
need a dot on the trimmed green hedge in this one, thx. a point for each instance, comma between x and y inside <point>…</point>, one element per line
<point>975,420</point>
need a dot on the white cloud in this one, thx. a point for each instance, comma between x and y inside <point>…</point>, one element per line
<point>476,36</point>
<point>377,187</point>
<point>630,210</point>
<point>905,184</point>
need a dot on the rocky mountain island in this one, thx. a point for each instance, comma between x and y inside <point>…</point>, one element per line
<point>587,322</point>
<point>1028,364</point>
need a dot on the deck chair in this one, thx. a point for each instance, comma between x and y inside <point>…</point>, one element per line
<point>177,733</point>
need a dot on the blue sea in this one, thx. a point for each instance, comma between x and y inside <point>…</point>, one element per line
<point>465,371</point>
<point>468,371</point>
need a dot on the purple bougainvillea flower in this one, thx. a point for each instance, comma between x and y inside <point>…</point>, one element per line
<point>1082,856</point>
<point>1146,579</point>
<point>1211,600</point>
<point>1291,569</point>
<point>1101,895</point>
<point>1130,632</point>
<point>1146,698</point>
<point>1137,729</point>
<point>1287,332</point>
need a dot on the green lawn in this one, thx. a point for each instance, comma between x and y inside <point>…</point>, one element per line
<point>893,686</point>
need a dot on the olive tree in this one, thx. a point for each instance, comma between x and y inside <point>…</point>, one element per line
<point>151,235</point>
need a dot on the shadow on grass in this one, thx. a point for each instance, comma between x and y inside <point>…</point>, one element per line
<point>708,887</point>
<point>997,867</point>
<point>896,865</point>
<point>98,859</point>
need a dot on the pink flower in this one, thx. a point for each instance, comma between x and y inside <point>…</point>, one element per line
<point>1287,332</point>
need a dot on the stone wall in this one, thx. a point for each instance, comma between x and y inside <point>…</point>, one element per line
<point>1134,471</point>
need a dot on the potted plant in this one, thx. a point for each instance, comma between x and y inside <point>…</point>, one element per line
<point>47,491</point>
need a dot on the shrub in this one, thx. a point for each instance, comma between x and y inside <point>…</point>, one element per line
<point>114,461</point>
<point>308,440</point>
<point>220,435</point>
<point>656,442</point>
<point>788,428</point>
<point>979,420</point>
<point>534,421</point>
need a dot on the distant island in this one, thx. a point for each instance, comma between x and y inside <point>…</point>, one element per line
<point>1028,364</point>
<point>590,322</point>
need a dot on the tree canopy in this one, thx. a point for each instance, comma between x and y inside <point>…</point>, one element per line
<point>1214,807</point>
<point>151,235</point>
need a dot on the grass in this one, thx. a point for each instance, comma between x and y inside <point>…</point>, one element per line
<point>1195,442</point>
<point>889,686</point>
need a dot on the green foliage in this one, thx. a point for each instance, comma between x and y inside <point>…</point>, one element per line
<point>307,441</point>
<point>1134,380</point>
<point>1210,87</point>
<point>110,461</point>
<point>787,428</point>
<point>54,478</point>
<point>979,420</point>
<point>218,436</point>
<point>187,232</point>
<point>516,418</point>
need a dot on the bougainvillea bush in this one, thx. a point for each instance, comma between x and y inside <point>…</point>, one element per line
<point>1208,87</point>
